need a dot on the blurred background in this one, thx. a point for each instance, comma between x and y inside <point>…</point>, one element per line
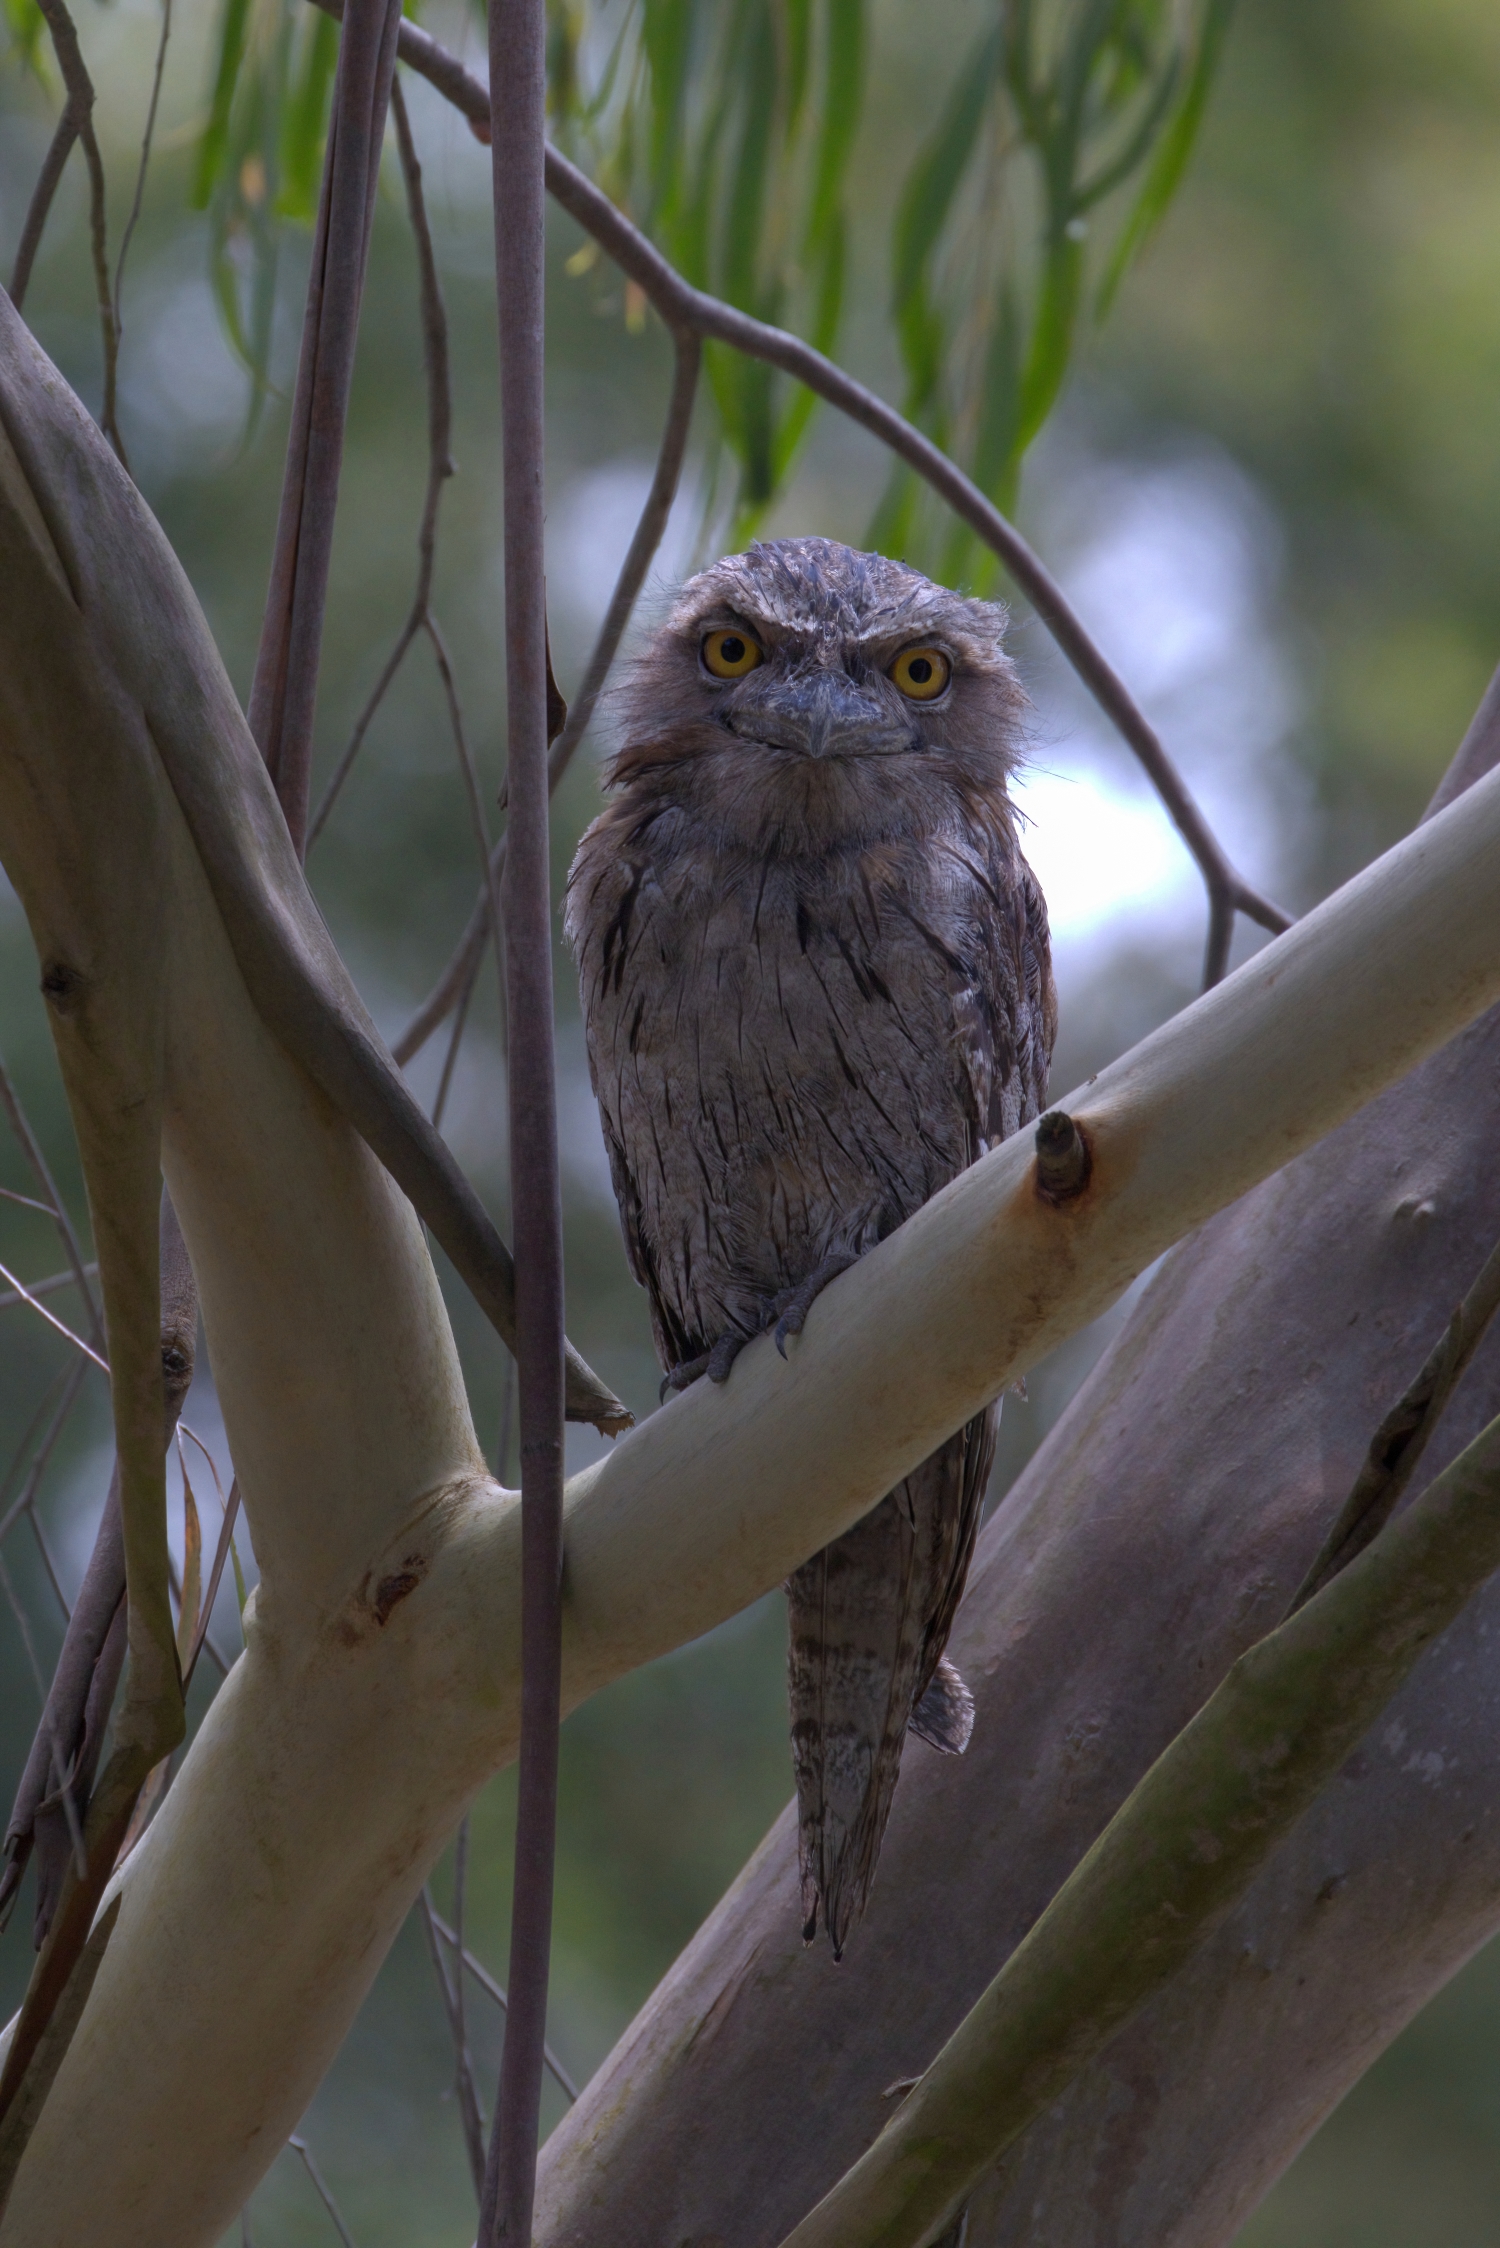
<point>1272,486</point>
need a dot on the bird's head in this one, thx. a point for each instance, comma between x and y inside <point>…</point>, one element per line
<point>804,654</point>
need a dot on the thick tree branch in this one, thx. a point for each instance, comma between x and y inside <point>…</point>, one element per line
<point>1160,1529</point>
<point>1182,1849</point>
<point>381,1680</point>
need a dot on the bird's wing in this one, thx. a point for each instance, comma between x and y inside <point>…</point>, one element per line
<point>1005,1005</point>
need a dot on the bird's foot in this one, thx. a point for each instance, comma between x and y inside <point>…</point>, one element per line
<point>794,1304</point>
<point>715,1363</point>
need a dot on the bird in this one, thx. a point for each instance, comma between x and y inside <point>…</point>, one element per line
<point>816,985</point>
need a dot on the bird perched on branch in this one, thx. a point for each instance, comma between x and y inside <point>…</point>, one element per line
<point>816,985</point>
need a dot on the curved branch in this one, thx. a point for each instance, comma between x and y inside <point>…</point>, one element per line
<point>342,1749</point>
<point>689,311</point>
<point>301,987</point>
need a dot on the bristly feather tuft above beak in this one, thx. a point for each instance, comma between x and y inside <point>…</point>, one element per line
<point>818,712</point>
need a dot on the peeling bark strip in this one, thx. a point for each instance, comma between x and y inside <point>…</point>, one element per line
<point>518,78</point>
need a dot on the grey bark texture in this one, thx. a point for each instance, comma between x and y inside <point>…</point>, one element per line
<point>1162,1528</point>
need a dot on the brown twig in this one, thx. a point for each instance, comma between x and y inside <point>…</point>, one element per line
<point>284,690</point>
<point>77,123</point>
<point>458,977</point>
<point>518,79</point>
<point>439,453</point>
<point>492,1989</point>
<point>93,1651</point>
<point>211,1590</point>
<point>59,149</point>
<point>31,1148</point>
<point>53,1285</point>
<point>463,2066</point>
<point>60,1765</point>
<point>320,2187</point>
<point>144,165</point>
<point>689,311</point>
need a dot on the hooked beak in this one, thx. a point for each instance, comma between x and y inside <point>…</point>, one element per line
<point>817,713</point>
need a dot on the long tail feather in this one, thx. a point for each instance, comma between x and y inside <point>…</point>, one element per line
<point>869,1617</point>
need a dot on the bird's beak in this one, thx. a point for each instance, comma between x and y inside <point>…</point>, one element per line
<point>817,712</point>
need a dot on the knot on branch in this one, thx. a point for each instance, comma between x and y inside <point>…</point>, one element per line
<point>1063,1162</point>
<point>63,987</point>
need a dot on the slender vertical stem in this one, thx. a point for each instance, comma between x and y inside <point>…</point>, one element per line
<point>285,688</point>
<point>517,81</point>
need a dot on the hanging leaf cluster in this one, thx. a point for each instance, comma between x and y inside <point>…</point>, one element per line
<point>726,128</point>
<point>1010,226</point>
<point>260,156</point>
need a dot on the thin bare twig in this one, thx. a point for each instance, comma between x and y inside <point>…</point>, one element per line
<point>78,117</point>
<point>55,1282</point>
<point>458,977</point>
<point>284,691</point>
<point>320,2186</point>
<point>48,1564</point>
<point>688,311</point>
<point>71,1381</point>
<point>492,1989</point>
<point>463,2066</point>
<point>51,1318</point>
<point>215,1577</point>
<point>60,1768</point>
<point>439,452</point>
<point>145,163</point>
<point>31,1148</point>
<point>518,78</point>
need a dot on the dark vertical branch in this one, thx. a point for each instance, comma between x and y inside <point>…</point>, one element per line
<point>60,148</point>
<point>518,86</point>
<point>285,688</point>
<point>439,455</point>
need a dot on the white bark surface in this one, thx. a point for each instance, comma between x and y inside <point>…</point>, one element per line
<point>380,1683</point>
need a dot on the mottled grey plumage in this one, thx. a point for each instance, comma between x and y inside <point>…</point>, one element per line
<point>816,985</point>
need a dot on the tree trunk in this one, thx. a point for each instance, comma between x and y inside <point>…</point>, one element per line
<point>1161,1529</point>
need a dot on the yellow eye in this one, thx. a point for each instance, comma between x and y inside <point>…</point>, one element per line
<point>921,673</point>
<point>729,655</point>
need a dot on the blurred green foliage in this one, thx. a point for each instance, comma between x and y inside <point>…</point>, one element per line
<point>1321,304</point>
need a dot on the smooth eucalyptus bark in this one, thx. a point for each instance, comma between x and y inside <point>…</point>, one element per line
<point>1162,1528</point>
<point>381,1680</point>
